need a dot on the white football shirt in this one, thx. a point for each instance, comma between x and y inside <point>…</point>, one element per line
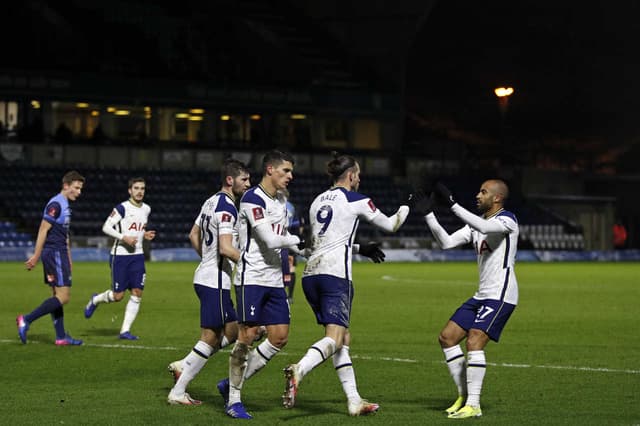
<point>334,216</point>
<point>258,264</point>
<point>496,251</point>
<point>218,216</point>
<point>129,220</point>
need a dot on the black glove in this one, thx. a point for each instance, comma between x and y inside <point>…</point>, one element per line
<point>372,251</point>
<point>422,204</point>
<point>301,245</point>
<point>444,195</point>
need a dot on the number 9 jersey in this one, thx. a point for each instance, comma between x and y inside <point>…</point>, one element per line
<point>218,216</point>
<point>334,216</point>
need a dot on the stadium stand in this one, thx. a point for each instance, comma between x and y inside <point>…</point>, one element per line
<point>176,196</point>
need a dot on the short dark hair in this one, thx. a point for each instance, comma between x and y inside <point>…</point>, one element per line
<point>135,180</point>
<point>72,176</point>
<point>275,158</point>
<point>232,167</point>
<point>337,167</point>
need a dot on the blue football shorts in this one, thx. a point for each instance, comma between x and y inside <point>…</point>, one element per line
<point>56,267</point>
<point>259,305</point>
<point>216,307</point>
<point>488,315</point>
<point>330,298</point>
<point>127,272</point>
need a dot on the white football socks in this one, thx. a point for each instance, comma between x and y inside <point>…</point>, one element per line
<point>316,355</point>
<point>104,297</point>
<point>344,368</point>
<point>191,366</point>
<point>475,375</point>
<point>259,357</point>
<point>457,368</point>
<point>130,313</point>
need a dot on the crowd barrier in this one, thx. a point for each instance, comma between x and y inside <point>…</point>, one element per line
<point>392,255</point>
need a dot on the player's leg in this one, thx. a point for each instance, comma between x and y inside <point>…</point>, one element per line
<point>136,275</point>
<point>54,275</point>
<point>274,313</point>
<point>237,368</point>
<point>215,308</point>
<point>475,371</point>
<point>249,301</point>
<point>114,294</point>
<point>324,294</point>
<point>192,364</point>
<point>230,336</point>
<point>491,317</point>
<point>62,291</point>
<point>318,353</point>
<point>450,338</point>
<point>57,316</point>
<point>343,365</point>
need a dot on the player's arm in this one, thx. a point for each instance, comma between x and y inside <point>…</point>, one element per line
<point>195,236</point>
<point>392,223</point>
<point>271,239</point>
<point>443,238</point>
<point>43,230</point>
<point>254,211</point>
<point>226,247</point>
<point>109,228</point>
<point>371,214</point>
<point>478,223</point>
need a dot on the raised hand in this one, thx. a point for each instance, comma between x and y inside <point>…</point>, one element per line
<point>444,195</point>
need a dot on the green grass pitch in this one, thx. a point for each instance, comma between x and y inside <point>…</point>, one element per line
<point>569,355</point>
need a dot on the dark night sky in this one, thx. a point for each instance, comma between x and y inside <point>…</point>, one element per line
<point>574,66</point>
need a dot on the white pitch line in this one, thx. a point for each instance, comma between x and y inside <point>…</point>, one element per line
<point>369,358</point>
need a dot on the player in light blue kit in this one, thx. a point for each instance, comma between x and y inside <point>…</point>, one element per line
<point>214,237</point>
<point>482,317</point>
<point>127,224</point>
<point>260,295</point>
<point>52,244</point>
<point>334,216</point>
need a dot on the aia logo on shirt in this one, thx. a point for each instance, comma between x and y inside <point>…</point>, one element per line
<point>227,217</point>
<point>484,246</point>
<point>371,205</point>
<point>257,213</point>
<point>137,226</point>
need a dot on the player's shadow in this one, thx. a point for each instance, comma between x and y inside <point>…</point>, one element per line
<point>45,339</point>
<point>306,409</point>
<point>437,404</point>
<point>101,332</point>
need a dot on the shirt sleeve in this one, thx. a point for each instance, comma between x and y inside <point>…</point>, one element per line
<point>367,210</point>
<point>109,225</point>
<point>480,224</point>
<point>446,241</point>
<point>52,212</point>
<point>226,221</point>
